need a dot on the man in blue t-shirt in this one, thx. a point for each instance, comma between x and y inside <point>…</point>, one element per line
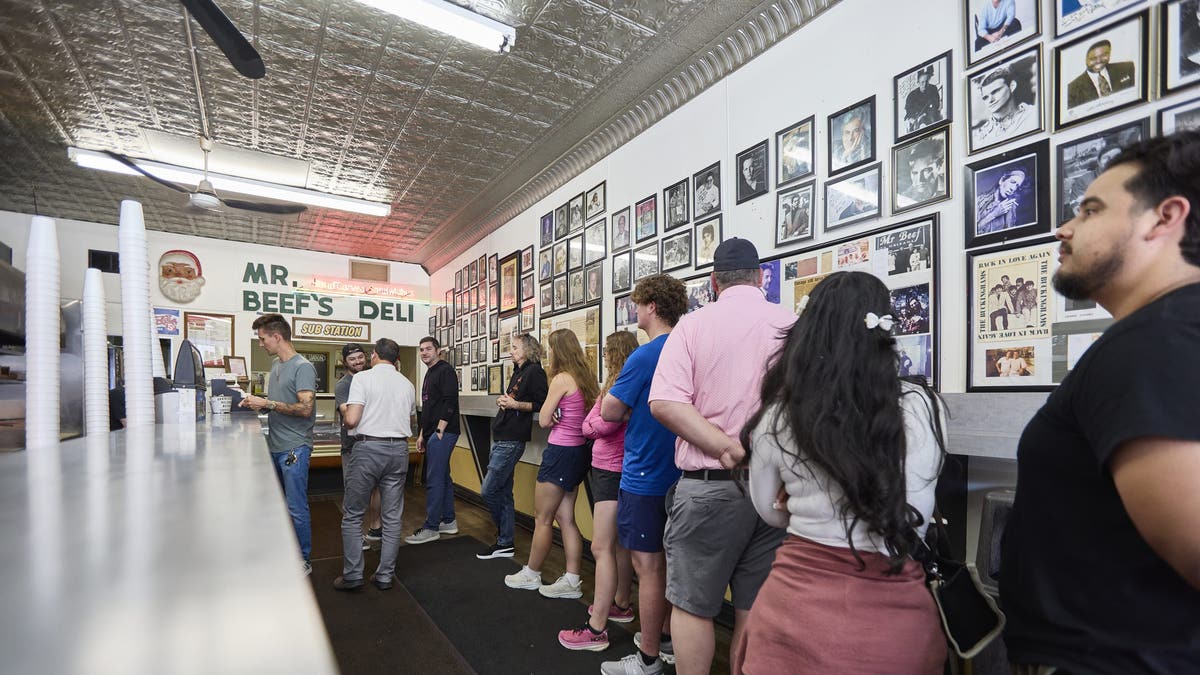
<point>647,472</point>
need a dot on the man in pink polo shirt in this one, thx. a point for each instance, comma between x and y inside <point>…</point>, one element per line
<point>705,388</point>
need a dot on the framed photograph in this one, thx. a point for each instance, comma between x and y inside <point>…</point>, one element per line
<point>547,230</point>
<point>919,175</point>
<point>493,326</point>
<point>1179,40</point>
<point>645,261</point>
<point>560,293</point>
<point>527,260</point>
<point>212,334</point>
<point>621,278</point>
<point>575,294</point>
<point>594,247</point>
<point>472,273</point>
<point>926,91</point>
<point>854,197</point>
<point>794,158</point>
<point>458,280</point>
<point>493,268</point>
<point>625,314</point>
<point>1005,195</point>
<point>494,293</point>
<point>510,274</point>
<point>1103,71</point>
<point>1180,117</point>
<point>1004,100</point>
<point>528,321</point>
<point>575,252</point>
<point>546,297</point>
<point>527,288</point>
<point>706,190</point>
<point>851,136</point>
<point>996,27</point>
<point>1081,160</point>
<point>561,222</point>
<point>560,257</point>
<point>699,292</point>
<point>620,230</point>
<point>495,382</point>
<point>575,214</point>
<point>595,203</point>
<point>1072,15</point>
<point>707,237</point>
<point>546,263</point>
<point>753,166</point>
<point>793,214</point>
<point>646,217</point>
<point>236,366</point>
<point>483,271</point>
<point>676,251</point>
<point>593,282</point>
<point>676,199</point>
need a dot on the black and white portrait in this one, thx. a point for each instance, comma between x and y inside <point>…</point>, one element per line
<point>793,214</point>
<point>852,136</point>
<point>919,172</point>
<point>907,249</point>
<point>853,198</point>
<point>620,230</point>
<point>527,288</point>
<point>561,222</point>
<point>707,236</point>
<point>595,202</point>
<point>676,199</point>
<point>1080,161</point>
<point>547,229</point>
<point>575,252</point>
<point>922,97</point>
<point>996,25</point>
<point>560,258</point>
<point>560,293</point>
<point>752,165</point>
<point>1004,198</point>
<point>620,272</point>
<point>545,299</point>
<point>645,261</point>
<point>677,251</point>
<point>794,158</point>
<point>593,242</point>
<point>1004,102</point>
<point>1181,43</point>
<point>575,294</point>
<point>593,282</point>
<point>1181,117</point>
<point>575,214</point>
<point>1101,72</point>
<point>706,188</point>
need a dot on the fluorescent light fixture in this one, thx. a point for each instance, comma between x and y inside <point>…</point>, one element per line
<point>91,159</point>
<point>448,18</point>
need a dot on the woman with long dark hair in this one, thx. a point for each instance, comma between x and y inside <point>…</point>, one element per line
<point>857,450</point>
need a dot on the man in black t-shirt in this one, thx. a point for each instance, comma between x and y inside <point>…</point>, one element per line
<point>437,438</point>
<point>1100,567</point>
<point>354,360</point>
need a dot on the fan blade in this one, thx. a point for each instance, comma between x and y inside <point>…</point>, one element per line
<point>259,207</point>
<point>127,162</point>
<point>228,38</point>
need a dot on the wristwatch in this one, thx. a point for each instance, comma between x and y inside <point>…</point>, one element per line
<point>271,405</point>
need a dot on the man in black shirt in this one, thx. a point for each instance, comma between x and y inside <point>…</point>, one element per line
<point>354,360</point>
<point>437,438</point>
<point>1100,567</point>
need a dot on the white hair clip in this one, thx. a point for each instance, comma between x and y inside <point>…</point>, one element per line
<point>885,322</point>
<point>802,304</point>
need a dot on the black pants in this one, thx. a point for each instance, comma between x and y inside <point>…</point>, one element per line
<point>1003,314</point>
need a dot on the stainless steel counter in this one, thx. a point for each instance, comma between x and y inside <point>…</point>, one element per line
<point>153,551</point>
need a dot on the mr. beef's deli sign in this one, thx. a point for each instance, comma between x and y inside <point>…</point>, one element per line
<point>330,331</point>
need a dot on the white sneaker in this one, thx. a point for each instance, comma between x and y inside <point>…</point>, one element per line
<point>562,588</point>
<point>666,650</point>
<point>448,528</point>
<point>526,579</point>
<point>631,665</point>
<point>422,536</point>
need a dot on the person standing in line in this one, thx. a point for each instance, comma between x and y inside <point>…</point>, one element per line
<point>291,413</point>
<point>705,389</point>
<point>573,390</point>
<point>354,360</point>
<point>511,430</point>
<point>647,473</point>
<point>437,437</point>
<point>1101,552</point>
<point>857,451</point>
<point>614,566</point>
<point>379,409</point>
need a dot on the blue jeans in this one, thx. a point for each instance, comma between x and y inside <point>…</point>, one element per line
<point>498,487</point>
<point>294,480</point>
<point>439,489</point>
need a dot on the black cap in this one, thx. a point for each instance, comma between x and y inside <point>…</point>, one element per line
<point>350,348</point>
<point>735,254</point>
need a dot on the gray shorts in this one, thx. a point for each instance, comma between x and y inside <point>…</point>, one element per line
<point>714,540</point>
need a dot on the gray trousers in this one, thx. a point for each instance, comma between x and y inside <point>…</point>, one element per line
<point>373,463</point>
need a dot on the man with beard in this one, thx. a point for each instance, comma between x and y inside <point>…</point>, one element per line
<point>179,276</point>
<point>437,438</point>
<point>355,361</point>
<point>1101,553</point>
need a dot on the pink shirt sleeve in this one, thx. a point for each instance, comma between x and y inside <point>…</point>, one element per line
<point>674,378</point>
<point>595,427</point>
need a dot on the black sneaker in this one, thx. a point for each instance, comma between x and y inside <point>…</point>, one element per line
<point>375,534</point>
<point>496,551</point>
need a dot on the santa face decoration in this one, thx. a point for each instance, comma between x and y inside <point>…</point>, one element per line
<point>179,276</point>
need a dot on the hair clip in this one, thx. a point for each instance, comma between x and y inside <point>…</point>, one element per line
<point>874,321</point>
<point>802,304</point>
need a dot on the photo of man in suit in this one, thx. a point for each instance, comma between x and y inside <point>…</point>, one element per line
<point>1100,78</point>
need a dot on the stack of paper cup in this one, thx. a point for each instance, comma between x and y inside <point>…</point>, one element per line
<point>43,323</point>
<point>95,353</point>
<point>135,307</point>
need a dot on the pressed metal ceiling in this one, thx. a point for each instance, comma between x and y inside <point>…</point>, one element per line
<point>459,140</point>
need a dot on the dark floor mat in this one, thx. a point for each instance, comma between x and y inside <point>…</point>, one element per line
<point>326,529</point>
<point>498,629</point>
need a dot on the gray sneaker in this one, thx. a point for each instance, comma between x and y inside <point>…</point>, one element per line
<point>666,651</point>
<point>631,665</point>
<point>422,536</point>
<point>448,528</point>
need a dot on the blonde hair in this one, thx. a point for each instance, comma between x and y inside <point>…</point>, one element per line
<point>617,347</point>
<point>566,356</point>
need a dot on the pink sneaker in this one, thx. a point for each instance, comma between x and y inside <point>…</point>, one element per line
<point>616,614</point>
<point>583,638</point>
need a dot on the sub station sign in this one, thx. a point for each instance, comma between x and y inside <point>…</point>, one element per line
<point>330,331</point>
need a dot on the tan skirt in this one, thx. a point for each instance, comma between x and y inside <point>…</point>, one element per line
<point>819,613</point>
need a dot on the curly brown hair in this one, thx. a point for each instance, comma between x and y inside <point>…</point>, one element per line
<point>666,292</point>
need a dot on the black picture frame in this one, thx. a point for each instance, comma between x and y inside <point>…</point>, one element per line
<point>560,257</point>
<point>1027,15</point>
<point>472,273</point>
<point>795,211</point>
<point>1078,100</point>
<point>706,197</point>
<point>1079,161</point>
<point>625,314</point>
<point>496,354</point>
<point>621,229</point>
<point>561,222</point>
<point>493,268</point>
<point>842,197</point>
<point>493,326</point>
<point>575,218</point>
<point>527,259</point>
<point>1080,18</point>
<point>508,300</point>
<point>596,201</point>
<point>546,263</point>
<point>676,206</point>
<point>645,261</point>
<point>795,152</point>
<point>704,251</point>
<point>593,282</point>
<point>921,172</point>
<point>575,252</point>
<point>560,293</point>
<point>575,288</point>
<point>645,218</point>
<point>1169,118</point>
<point>1007,210</point>
<point>622,271</point>
<point>527,287</point>
<point>841,130</point>
<point>1179,46</point>
<point>595,244</point>
<point>753,166</point>
<point>923,110</point>
<point>676,252</point>
<point>1015,84</point>
<point>546,296</point>
<point>483,271</point>
<point>547,233</point>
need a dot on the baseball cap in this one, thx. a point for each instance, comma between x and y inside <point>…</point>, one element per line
<point>350,348</point>
<point>735,254</point>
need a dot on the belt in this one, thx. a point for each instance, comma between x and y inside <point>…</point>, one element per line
<point>364,437</point>
<point>717,474</point>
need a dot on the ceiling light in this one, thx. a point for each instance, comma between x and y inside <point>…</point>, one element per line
<point>91,159</point>
<point>453,20</point>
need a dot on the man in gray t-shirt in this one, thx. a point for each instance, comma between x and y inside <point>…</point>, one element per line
<point>355,361</point>
<point>291,412</point>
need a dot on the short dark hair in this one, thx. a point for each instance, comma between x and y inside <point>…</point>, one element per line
<point>1099,44</point>
<point>1001,73</point>
<point>746,277</point>
<point>273,324</point>
<point>668,294</point>
<point>387,349</point>
<point>1168,166</point>
<point>430,338</point>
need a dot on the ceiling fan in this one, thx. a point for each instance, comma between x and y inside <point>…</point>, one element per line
<point>203,197</point>
<point>228,38</point>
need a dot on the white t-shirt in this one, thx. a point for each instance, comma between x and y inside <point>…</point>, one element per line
<point>812,500</point>
<point>388,400</point>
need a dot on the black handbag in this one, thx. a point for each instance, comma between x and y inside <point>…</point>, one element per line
<point>970,617</point>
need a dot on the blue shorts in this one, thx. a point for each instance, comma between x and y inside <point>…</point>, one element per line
<point>641,521</point>
<point>564,466</point>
